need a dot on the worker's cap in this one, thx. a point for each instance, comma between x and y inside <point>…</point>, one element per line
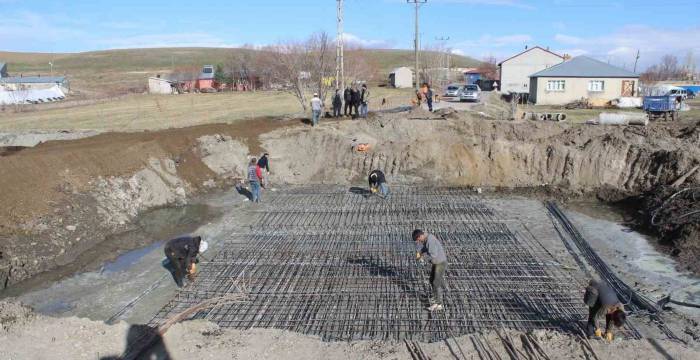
<point>315,94</point>
<point>203,246</point>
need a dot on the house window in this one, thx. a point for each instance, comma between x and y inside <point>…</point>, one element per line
<point>556,85</point>
<point>596,85</point>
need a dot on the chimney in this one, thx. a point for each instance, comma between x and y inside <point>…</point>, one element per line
<point>525,47</point>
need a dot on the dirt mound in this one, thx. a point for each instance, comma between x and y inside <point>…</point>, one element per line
<point>61,198</point>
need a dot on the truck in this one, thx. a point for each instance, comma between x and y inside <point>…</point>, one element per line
<point>658,106</point>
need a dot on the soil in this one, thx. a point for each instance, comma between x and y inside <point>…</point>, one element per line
<point>25,335</point>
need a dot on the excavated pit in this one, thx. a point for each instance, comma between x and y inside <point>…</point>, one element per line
<point>341,265</point>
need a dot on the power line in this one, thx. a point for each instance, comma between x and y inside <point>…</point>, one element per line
<point>416,41</point>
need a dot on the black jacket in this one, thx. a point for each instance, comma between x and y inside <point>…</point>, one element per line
<point>380,179</point>
<point>356,97</point>
<point>264,163</point>
<point>337,100</point>
<point>348,95</point>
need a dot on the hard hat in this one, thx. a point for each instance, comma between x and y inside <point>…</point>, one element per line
<point>203,246</point>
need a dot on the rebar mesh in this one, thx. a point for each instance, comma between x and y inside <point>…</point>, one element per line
<point>342,266</point>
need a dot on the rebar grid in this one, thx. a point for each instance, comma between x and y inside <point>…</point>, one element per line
<point>342,266</point>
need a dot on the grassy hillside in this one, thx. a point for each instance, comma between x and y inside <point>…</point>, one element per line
<point>114,72</point>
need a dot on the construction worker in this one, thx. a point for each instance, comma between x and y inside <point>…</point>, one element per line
<point>255,179</point>
<point>316,107</point>
<point>429,246</point>
<point>182,253</point>
<point>377,183</point>
<point>337,103</point>
<point>264,165</point>
<point>601,299</point>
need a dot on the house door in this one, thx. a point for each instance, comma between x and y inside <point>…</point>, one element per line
<point>627,88</point>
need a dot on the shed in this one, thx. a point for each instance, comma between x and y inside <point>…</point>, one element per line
<point>158,85</point>
<point>472,76</point>
<point>3,70</point>
<point>515,71</point>
<point>581,77</point>
<point>206,78</point>
<point>34,82</point>
<point>401,77</point>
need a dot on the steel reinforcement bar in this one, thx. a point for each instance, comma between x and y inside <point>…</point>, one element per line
<point>341,265</point>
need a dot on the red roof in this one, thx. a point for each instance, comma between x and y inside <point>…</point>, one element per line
<point>532,48</point>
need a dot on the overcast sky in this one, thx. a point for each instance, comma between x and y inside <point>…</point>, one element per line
<point>606,29</point>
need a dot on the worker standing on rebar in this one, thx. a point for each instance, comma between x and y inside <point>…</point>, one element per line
<point>427,245</point>
<point>377,183</point>
<point>182,253</point>
<point>601,299</point>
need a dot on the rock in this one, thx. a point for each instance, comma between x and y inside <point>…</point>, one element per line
<point>71,227</point>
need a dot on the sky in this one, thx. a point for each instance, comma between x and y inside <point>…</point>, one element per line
<point>609,30</point>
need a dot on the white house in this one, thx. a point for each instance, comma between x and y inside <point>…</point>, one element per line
<point>581,77</point>
<point>515,71</point>
<point>3,69</point>
<point>401,77</point>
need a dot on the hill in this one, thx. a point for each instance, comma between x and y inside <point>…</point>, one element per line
<point>114,72</point>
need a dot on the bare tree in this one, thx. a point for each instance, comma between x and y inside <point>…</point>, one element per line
<point>358,65</point>
<point>667,69</point>
<point>303,66</point>
<point>489,68</point>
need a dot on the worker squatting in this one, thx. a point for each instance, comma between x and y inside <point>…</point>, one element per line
<point>183,254</point>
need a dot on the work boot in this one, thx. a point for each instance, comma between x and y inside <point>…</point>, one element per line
<point>609,336</point>
<point>598,333</point>
<point>435,307</point>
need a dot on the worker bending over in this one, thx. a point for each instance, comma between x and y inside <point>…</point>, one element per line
<point>429,246</point>
<point>601,299</point>
<point>182,253</point>
<point>377,183</point>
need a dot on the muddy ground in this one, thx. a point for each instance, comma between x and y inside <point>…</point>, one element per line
<point>62,198</point>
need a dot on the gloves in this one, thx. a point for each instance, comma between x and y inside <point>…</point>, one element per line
<point>598,333</point>
<point>418,256</point>
<point>609,336</point>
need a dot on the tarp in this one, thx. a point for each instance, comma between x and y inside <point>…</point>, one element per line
<point>30,96</point>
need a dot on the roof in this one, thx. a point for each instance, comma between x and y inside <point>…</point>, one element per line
<point>583,66</point>
<point>2,64</point>
<point>530,49</point>
<point>33,79</point>
<point>473,71</point>
<point>400,68</point>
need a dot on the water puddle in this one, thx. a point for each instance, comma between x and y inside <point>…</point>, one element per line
<point>633,252</point>
<point>121,251</point>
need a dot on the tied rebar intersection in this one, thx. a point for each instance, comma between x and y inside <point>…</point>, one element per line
<point>341,265</point>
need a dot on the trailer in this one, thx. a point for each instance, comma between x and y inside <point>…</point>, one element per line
<point>662,106</point>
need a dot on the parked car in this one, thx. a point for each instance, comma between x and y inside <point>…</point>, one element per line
<point>470,93</point>
<point>453,90</point>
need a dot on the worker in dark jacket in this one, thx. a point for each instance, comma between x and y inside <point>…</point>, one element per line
<point>337,103</point>
<point>377,183</point>
<point>427,245</point>
<point>356,101</point>
<point>347,96</point>
<point>264,162</point>
<point>182,253</point>
<point>601,299</point>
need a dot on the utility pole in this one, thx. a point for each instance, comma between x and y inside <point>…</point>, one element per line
<point>635,62</point>
<point>416,41</point>
<point>339,61</point>
<point>444,60</point>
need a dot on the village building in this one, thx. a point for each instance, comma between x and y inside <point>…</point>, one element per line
<point>581,77</point>
<point>515,71</point>
<point>401,77</point>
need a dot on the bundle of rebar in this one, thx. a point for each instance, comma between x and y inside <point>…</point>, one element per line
<point>341,265</point>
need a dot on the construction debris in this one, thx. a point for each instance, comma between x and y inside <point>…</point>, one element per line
<point>582,103</point>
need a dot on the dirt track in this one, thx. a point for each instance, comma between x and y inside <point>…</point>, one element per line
<point>63,197</point>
